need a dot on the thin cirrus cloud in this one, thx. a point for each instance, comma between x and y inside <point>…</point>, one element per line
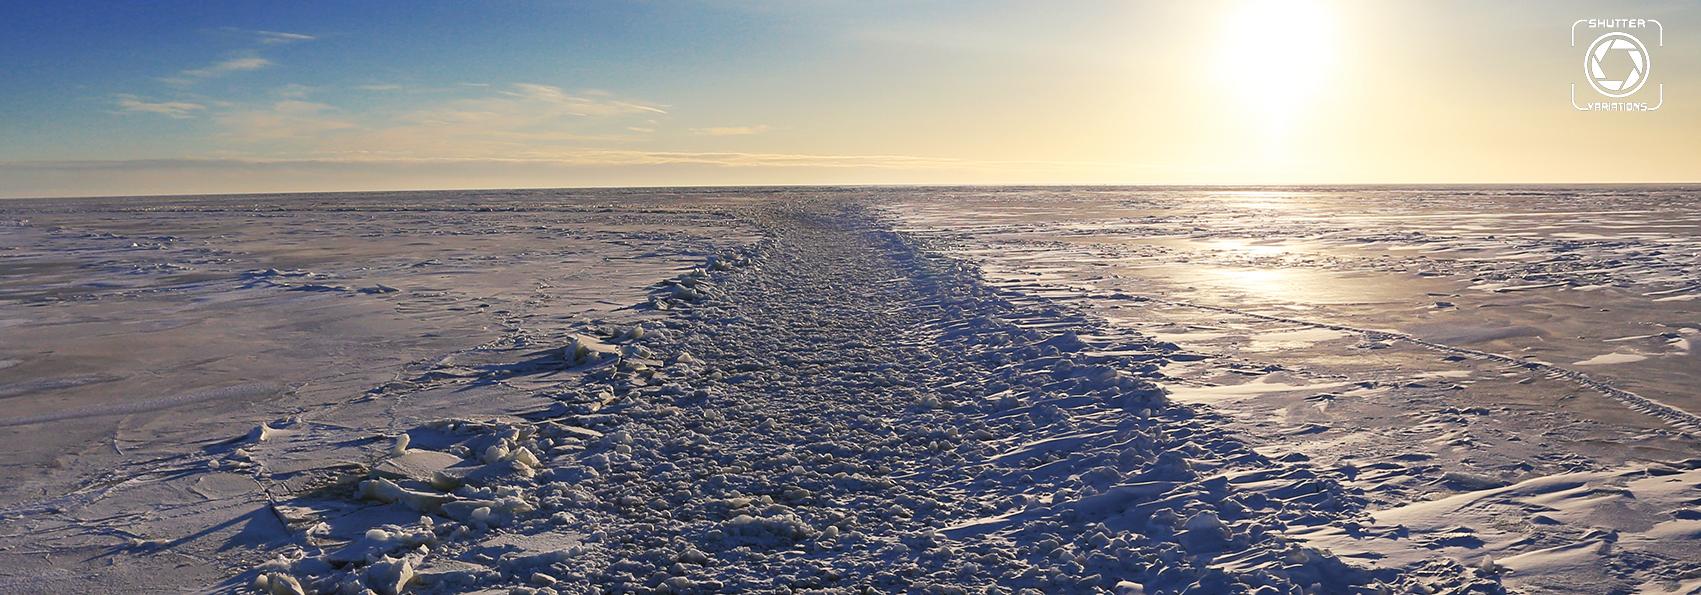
<point>229,66</point>
<point>244,64</point>
<point>559,102</point>
<point>732,130</point>
<point>516,119</point>
<point>524,106</point>
<point>172,109</point>
<point>264,37</point>
<point>569,158</point>
<point>291,119</point>
<point>278,38</point>
<point>547,167</point>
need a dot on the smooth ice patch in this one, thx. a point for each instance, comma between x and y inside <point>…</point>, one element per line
<point>1264,385</point>
<point>241,391</point>
<point>1611,358</point>
<point>1314,335</point>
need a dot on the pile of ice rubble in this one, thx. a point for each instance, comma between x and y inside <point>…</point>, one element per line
<point>837,410</point>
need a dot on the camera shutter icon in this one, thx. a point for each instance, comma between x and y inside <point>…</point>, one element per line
<point>1606,70</point>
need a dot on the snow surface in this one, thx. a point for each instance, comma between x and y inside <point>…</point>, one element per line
<point>887,391</point>
<point>1437,387</point>
<point>865,415</point>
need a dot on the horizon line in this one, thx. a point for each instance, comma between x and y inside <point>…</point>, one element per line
<point>1324,186</point>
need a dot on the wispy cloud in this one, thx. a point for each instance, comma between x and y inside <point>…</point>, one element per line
<point>293,91</point>
<point>290,119</point>
<point>732,130</point>
<point>616,157</point>
<point>488,124</point>
<point>173,109</point>
<point>219,69</point>
<point>278,37</point>
<point>266,37</point>
<point>247,63</point>
<point>560,102</point>
<point>567,156</point>
<point>494,123</point>
<point>583,167</point>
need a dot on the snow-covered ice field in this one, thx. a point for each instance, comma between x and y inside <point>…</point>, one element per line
<point>939,390</point>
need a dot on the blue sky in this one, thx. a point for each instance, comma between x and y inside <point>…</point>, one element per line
<point>187,97</point>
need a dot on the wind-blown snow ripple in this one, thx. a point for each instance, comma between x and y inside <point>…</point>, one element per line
<point>240,391</point>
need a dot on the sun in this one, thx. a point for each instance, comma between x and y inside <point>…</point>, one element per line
<point>1275,56</point>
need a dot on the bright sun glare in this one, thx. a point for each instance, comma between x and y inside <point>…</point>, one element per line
<point>1276,55</point>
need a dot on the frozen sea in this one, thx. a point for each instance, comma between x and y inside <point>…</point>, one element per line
<point>860,389</point>
<point>1600,280</point>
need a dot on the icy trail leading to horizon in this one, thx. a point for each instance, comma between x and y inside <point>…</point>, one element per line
<point>535,392</point>
<point>836,410</point>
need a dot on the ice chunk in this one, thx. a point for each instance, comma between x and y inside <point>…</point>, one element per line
<point>389,577</point>
<point>1066,342</point>
<point>263,432</point>
<point>378,543</point>
<point>449,572</point>
<point>577,432</point>
<point>783,525</point>
<point>1204,532</point>
<point>495,453</point>
<point>586,350</point>
<point>283,584</point>
<point>463,510</point>
<point>470,472</point>
<point>416,465</point>
<point>684,358</point>
<point>1205,521</point>
<point>384,490</point>
<point>1488,565</point>
<point>693,556</point>
<point>525,457</point>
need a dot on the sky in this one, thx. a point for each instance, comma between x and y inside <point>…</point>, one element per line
<point>229,96</point>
